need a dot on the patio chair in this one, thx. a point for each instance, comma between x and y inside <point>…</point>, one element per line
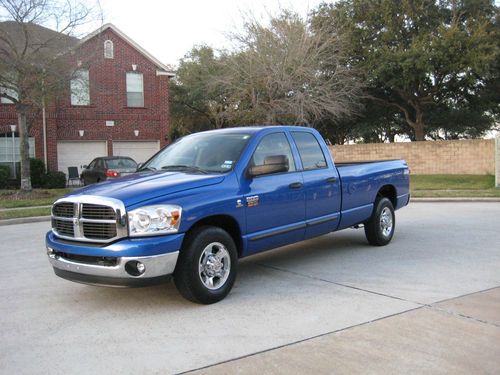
<point>73,175</point>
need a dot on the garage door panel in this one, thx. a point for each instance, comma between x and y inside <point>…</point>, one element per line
<point>77,154</point>
<point>140,151</point>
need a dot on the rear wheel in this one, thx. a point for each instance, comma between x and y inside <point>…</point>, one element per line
<point>379,229</point>
<point>206,268</point>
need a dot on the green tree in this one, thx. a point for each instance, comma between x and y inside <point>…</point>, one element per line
<point>434,62</point>
<point>198,101</point>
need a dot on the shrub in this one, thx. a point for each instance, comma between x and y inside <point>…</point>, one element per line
<point>37,169</point>
<point>4,176</point>
<point>55,180</point>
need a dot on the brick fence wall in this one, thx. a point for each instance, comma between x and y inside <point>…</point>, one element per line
<point>475,156</point>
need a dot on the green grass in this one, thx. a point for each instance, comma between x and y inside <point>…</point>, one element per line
<point>29,212</point>
<point>455,182</point>
<point>38,197</point>
<point>453,186</point>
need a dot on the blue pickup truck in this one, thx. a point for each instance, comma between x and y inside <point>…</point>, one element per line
<point>211,198</point>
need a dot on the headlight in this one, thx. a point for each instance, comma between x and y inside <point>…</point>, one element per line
<point>151,220</point>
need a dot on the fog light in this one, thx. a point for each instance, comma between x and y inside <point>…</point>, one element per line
<point>50,251</point>
<point>135,268</point>
<point>140,267</point>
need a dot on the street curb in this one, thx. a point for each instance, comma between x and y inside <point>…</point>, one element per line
<point>471,199</point>
<point>24,220</point>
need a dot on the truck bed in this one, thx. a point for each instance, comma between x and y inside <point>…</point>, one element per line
<point>360,182</point>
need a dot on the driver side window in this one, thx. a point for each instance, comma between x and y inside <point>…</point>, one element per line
<point>273,145</point>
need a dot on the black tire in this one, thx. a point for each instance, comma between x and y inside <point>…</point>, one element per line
<point>377,232</point>
<point>190,280</point>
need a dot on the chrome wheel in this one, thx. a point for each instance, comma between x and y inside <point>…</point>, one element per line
<point>386,222</point>
<point>214,265</point>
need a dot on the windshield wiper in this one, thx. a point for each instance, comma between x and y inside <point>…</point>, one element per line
<point>191,168</point>
<point>146,168</point>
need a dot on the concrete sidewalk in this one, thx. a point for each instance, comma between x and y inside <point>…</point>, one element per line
<point>458,336</point>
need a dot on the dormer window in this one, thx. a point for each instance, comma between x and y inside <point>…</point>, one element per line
<point>108,49</point>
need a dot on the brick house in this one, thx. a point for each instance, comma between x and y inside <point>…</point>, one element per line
<point>117,104</point>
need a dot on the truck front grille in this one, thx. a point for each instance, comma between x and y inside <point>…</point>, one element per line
<point>65,209</point>
<point>99,231</point>
<point>63,227</point>
<point>95,211</point>
<point>80,219</point>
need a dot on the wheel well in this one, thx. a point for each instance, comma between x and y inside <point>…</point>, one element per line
<point>228,223</point>
<point>388,191</point>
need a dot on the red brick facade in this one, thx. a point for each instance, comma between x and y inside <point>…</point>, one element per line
<point>108,101</point>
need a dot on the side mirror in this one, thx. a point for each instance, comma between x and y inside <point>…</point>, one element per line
<point>85,166</point>
<point>272,164</point>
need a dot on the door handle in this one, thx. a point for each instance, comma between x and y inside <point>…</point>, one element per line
<point>331,180</point>
<point>295,185</point>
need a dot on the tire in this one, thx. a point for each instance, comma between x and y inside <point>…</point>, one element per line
<point>379,229</point>
<point>207,265</point>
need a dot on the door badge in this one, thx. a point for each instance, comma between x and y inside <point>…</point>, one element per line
<point>253,201</point>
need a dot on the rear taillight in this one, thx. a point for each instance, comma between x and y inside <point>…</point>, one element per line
<point>112,173</point>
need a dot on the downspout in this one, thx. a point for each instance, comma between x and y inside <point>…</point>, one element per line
<point>44,122</point>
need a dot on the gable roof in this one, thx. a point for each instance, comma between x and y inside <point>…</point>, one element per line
<point>121,34</point>
<point>40,41</point>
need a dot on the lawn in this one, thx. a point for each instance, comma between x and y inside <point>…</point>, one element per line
<point>453,186</point>
<point>28,212</point>
<point>38,197</point>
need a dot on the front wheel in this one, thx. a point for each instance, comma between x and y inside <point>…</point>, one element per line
<point>379,229</point>
<point>206,268</point>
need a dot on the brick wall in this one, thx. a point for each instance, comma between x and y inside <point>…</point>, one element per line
<point>475,156</point>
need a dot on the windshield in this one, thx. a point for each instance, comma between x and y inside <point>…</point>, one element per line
<point>121,164</point>
<point>202,152</point>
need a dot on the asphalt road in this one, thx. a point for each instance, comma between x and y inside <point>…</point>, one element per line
<point>48,325</point>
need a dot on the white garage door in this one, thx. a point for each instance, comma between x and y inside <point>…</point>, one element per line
<point>76,154</point>
<point>140,151</point>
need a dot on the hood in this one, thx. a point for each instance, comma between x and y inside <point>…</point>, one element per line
<point>147,185</point>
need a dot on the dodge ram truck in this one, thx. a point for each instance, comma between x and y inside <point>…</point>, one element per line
<point>210,198</point>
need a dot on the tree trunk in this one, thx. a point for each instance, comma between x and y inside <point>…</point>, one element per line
<point>419,125</point>
<point>24,148</point>
<point>419,128</point>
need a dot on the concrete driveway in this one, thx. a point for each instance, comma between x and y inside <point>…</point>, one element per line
<point>334,287</point>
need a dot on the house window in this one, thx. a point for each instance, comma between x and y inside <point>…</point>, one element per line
<point>108,49</point>
<point>80,88</point>
<point>10,92</point>
<point>135,90</point>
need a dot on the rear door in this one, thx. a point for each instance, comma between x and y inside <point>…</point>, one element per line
<point>321,184</point>
<point>275,203</point>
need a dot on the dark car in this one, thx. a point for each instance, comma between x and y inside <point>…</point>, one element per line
<point>102,168</point>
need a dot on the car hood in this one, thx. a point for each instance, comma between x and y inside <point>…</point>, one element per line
<point>147,185</point>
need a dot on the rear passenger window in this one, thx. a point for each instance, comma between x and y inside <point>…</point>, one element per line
<point>310,151</point>
<point>272,145</point>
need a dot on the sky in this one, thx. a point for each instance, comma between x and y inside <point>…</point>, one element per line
<point>169,29</point>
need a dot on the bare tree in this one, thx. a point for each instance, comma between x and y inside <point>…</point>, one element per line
<point>36,64</point>
<point>285,72</point>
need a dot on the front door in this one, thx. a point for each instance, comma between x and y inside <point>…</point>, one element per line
<point>275,203</point>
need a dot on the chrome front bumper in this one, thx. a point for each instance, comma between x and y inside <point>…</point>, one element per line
<point>158,268</point>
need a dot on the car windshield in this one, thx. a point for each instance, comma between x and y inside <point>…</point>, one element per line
<point>202,152</point>
<point>121,164</point>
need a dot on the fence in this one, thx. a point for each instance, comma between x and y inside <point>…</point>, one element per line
<point>475,156</point>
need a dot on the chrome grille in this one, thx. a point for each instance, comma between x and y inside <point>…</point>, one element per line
<point>63,227</point>
<point>99,231</point>
<point>89,219</point>
<point>65,209</point>
<point>95,211</point>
